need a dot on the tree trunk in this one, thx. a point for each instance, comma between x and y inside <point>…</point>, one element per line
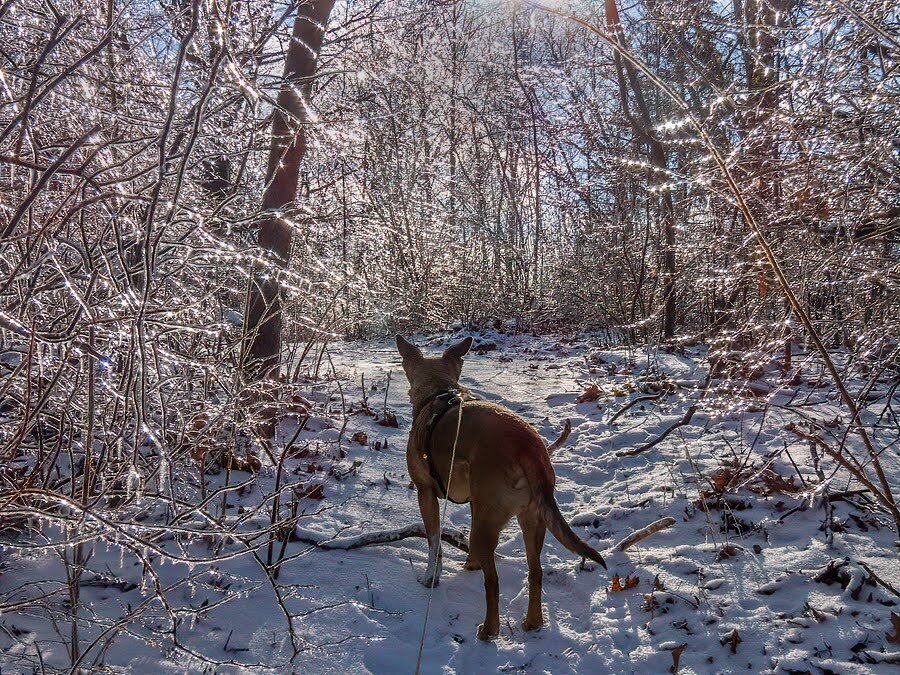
<point>643,129</point>
<point>262,333</point>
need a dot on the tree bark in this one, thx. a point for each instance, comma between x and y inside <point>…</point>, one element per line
<point>263,318</point>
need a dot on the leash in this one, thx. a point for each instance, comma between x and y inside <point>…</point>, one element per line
<point>440,535</point>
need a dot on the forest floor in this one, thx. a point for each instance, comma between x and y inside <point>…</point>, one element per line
<point>741,582</point>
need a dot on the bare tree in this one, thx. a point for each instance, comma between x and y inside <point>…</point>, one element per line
<point>263,322</point>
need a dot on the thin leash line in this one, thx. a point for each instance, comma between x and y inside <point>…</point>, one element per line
<point>440,535</point>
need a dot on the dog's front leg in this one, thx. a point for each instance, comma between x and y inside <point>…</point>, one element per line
<point>428,507</point>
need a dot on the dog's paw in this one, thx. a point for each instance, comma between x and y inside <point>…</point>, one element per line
<point>485,634</point>
<point>429,580</point>
<point>529,624</point>
<point>472,564</point>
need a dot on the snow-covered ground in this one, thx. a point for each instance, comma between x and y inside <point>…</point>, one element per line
<point>739,583</point>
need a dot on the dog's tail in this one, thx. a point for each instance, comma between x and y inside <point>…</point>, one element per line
<point>564,534</point>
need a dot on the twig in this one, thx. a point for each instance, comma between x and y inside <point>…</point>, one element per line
<point>451,536</point>
<point>843,461</point>
<point>643,533</point>
<point>878,579</point>
<point>557,444</point>
<point>365,401</point>
<point>646,446</point>
<point>634,402</point>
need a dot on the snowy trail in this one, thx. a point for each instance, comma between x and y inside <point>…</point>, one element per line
<point>589,629</point>
<point>362,610</point>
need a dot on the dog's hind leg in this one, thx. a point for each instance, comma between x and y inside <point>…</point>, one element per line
<point>533,531</point>
<point>486,527</point>
<point>428,507</point>
<point>472,563</point>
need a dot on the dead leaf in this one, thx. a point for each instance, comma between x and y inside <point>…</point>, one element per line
<point>199,451</point>
<point>619,584</point>
<point>727,551</point>
<point>722,478</point>
<point>732,640</point>
<point>249,463</point>
<point>200,421</point>
<point>592,393</point>
<point>775,482</point>
<point>360,437</point>
<point>310,491</point>
<point>676,657</point>
<point>762,284</point>
<point>389,420</point>
<point>895,621</point>
<point>623,389</point>
<point>650,602</point>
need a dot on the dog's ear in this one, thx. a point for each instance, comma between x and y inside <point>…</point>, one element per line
<point>407,349</point>
<point>459,350</point>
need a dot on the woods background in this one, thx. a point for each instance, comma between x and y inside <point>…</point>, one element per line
<point>192,200</point>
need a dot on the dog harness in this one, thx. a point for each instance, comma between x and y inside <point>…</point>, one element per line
<point>440,405</point>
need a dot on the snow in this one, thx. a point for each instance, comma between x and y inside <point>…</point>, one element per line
<point>742,597</point>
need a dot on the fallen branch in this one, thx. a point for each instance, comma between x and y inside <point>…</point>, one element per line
<point>877,579</point>
<point>646,446</point>
<point>557,444</point>
<point>634,402</point>
<point>452,536</point>
<point>643,533</point>
<point>856,471</point>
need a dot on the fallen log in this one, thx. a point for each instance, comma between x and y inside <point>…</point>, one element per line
<point>451,535</point>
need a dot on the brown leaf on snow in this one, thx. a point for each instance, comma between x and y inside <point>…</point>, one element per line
<point>592,393</point>
<point>389,419</point>
<point>775,482</point>
<point>762,285</point>
<point>623,389</point>
<point>619,584</point>
<point>722,478</point>
<point>249,463</point>
<point>310,491</point>
<point>732,640</point>
<point>676,657</point>
<point>360,437</point>
<point>895,621</point>
<point>650,603</point>
<point>727,551</point>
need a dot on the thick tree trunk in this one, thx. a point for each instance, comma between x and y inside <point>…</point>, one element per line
<point>263,322</point>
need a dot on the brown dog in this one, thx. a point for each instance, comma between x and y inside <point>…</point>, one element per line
<point>502,468</point>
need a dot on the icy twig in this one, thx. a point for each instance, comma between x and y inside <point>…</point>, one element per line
<point>686,419</point>
<point>558,443</point>
<point>633,402</point>
<point>451,536</point>
<point>641,534</point>
<point>877,579</point>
